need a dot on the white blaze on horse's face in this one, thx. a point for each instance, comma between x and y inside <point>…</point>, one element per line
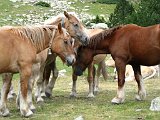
<point>64,46</point>
<point>76,29</point>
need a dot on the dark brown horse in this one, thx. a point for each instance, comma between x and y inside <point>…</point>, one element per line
<point>128,44</point>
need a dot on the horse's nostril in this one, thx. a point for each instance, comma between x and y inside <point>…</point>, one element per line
<point>70,61</point>
<point>86,40</point>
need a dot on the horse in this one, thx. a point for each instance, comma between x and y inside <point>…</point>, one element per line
<point>147,72</point>
<point>77,31</point>
<point>98,59</point>
<point>127,44</point>
<point>19,46</point>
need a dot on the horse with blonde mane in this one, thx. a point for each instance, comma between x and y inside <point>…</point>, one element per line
<point>128,44</point>
<point>76,29</point>
<point>19,46</point>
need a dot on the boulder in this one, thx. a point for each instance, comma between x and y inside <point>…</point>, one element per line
<point>155,104</point>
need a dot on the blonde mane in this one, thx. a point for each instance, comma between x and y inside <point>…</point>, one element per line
<point>34,34</point>
<point>57,19</point>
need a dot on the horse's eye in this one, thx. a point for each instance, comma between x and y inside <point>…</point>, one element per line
<point>76,25</point>
<point>65,42</point>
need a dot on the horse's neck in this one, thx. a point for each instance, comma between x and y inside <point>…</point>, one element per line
<point>44,43</point>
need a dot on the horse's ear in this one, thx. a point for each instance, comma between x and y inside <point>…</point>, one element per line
<point>60,28</point>
<point>66,14</point>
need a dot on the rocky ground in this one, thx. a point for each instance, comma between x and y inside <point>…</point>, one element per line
<point>34,17</point>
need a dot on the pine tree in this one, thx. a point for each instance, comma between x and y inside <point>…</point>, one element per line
<point>148,13</point>
<point>121,12</point>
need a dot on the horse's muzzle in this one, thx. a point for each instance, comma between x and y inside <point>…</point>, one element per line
<point>78,71</point>
<point>86,41</point>
<point>70,60</point>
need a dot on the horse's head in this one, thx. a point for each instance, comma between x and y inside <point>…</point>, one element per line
<point>75,28</point>
<point>84,58</point>
<point>63,46</point>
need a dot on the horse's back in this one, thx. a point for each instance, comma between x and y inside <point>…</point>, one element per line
<point>138,44</point>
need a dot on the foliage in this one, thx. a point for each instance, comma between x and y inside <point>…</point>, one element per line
<point>43,4</point>
<point>98,19</point>
<point>148,13</point>
<point>107,1</point>
<point>121,12</point>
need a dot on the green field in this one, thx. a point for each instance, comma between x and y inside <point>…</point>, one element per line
<point>60,106</point>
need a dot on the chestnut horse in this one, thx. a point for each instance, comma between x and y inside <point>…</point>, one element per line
<point>19,46</point>
<point>98,59</point>
<point>128,44</point>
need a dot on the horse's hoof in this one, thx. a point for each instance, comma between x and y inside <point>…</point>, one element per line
<point>26,114</point>
<point>96,91</point>
<point>5,113</point>
<point>43,95</point>
<point>48,95</point>
<point>73,95</point>
<point>141,96</point>
<point>40,101</point>
<point>90,95</point>
<point>117,100</point>
<point>10,97</point>
<point>33,108</point>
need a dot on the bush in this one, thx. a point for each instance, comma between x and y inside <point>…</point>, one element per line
<point>148,13</point>
<point>43,4</point>
<point>121,13</point>
<point>107,1</point>
<point>97,19</point>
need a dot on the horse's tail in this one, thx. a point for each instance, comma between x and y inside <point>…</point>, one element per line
<point>152,75</point>
<point>104,71</point>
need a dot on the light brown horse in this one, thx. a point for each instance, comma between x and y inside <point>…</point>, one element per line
<point>77,31</point>
<point>19,46</point>
<point>128,44</point>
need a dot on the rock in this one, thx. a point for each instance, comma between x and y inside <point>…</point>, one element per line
<point>79,118</point>
<point>100,25</point>
<point>155,104</point>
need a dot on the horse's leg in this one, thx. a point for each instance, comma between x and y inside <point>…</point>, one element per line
<point>104,71</point>
<point>74,80</point>
<point>98,73</point>
<point>34,76</point>
<point>47,73</point>
<point>120,66</point>
<point>159,70</point>
<point>51,83</point>
<point>25,73</point>
<point>90,80</point>
<point>39,83</point>
<point>4,92</point>
<point>141,90</point>
<point>11,93</point>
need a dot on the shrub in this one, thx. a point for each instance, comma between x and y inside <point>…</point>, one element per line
<point>107,1</point>
<point>43,4</point>
<point>121,12</point>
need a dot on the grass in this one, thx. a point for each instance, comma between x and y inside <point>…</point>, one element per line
<point>61,107</point>
<point>94,8</point>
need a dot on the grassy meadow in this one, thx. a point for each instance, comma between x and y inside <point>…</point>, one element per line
<point>61,106</point>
